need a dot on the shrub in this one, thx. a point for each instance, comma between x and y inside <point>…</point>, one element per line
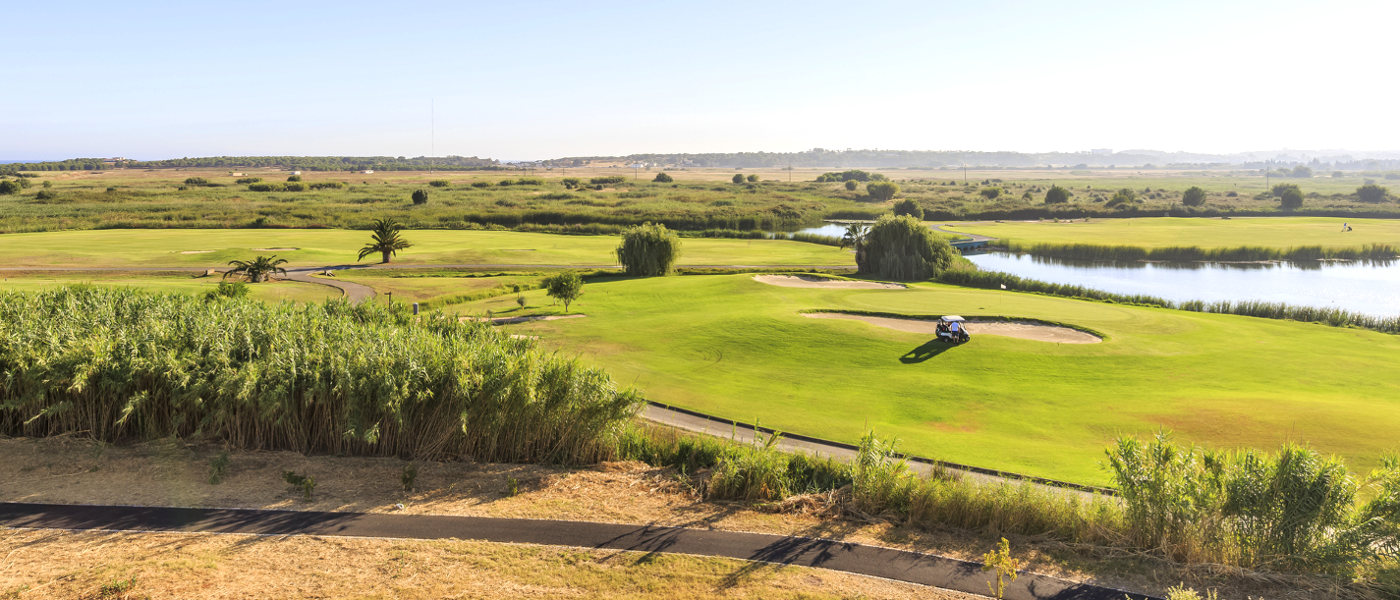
<point>326,185</point>
<point>10,187</point>
<point>991,193</point>
<point>1193,196</point>
<point>738,178</point>
<point>648,250</point>
<point>1056,195</point>
<point>439,183</point>
<point>608,180</point>
<point>564,287</point>
<point>851,185</point>
<point>902,248</point>
<point>228,289</point>
<point>752,179</point>
<point>294,178</point>
<point>191,181</point>
<point>45,195</point>
<point>910,207</point>
<point>265,187</point>
<point>481,184</point>
<point>882,191</point>
<point>851,175</point>
<point>1122,198</point>
<point>420,197</point>
<point>569,182</point>
<point>1372,193</point>
<point>247,180</point>
<point>663,177</point>
<point>294,187</point>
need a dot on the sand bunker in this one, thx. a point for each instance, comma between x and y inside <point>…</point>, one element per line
<point>514,320</point>
<point>197,252</point>
<point>1024,330</point>
<point>275,249</point>
<point>812,281</point>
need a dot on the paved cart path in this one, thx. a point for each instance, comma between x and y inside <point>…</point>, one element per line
<point>889,563</point>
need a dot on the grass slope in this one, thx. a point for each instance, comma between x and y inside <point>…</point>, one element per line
<point>1162,232</point>
<point>734,347</point>
<point>317,247</point>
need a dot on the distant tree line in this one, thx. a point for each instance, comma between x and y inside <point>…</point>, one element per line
<point>298,163</point>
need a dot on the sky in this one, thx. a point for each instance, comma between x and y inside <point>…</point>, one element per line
<point>539,79</point>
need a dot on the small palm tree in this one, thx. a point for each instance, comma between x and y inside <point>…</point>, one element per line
<point>855,233</point>
<point>387,242</point>
<point>257,270</point>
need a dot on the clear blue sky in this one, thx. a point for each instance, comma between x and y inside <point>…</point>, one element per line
<point>519,80</point>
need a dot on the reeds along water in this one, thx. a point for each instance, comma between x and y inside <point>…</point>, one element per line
<point>122,365</point>
<point>1098,252</point>
<point>1249,308</point>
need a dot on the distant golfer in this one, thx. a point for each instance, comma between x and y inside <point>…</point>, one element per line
<point>1346,227</point>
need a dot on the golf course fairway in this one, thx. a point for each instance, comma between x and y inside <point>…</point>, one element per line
<point>734,347</point>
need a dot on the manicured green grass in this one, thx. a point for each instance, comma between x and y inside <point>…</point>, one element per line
<point>425,289</point>
<point>318,247</point>
<point>1162,232</point>
<point>180,284</point>
<point>731,346</point>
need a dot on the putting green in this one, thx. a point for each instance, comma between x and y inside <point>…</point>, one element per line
<point>319,247</point>
<point>734,347</point>
<point>1160,232</point>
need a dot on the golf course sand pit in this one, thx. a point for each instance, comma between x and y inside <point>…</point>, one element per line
<point>1039,332</point>
<point>812,281</point>
<point>514,320</point>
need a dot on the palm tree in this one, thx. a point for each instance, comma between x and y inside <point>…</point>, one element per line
<point>257,270</point>
<point>855,233</point>
<point>385,234</point>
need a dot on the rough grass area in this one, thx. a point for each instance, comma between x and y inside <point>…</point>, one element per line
<point>61,564</point>
<point>181,283</point>
<point>1166,232</point>
<point>737,348</point>
<point>321,247</point>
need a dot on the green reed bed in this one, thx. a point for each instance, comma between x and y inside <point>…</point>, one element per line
<point>121,365</point>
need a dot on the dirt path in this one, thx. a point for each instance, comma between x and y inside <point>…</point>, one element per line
<point>514,320</point>
<point>1018,329</point>
<point>889,563</point>
<point>354,292</point>
<point>812,281</point>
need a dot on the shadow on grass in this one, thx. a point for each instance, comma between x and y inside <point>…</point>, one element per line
<point>928,350</point>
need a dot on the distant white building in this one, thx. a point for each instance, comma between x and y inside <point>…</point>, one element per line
<point>368,171</point>
<point>296,172</point>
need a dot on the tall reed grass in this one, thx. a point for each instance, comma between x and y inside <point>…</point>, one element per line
<point>366,379</point>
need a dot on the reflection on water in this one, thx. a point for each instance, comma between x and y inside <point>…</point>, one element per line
<point>1370,287</point>
<point>831,229</point>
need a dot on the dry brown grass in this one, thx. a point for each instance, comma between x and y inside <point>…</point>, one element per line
<point>61,564</point>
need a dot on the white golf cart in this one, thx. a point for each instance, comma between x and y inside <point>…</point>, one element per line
<point>952,329</point>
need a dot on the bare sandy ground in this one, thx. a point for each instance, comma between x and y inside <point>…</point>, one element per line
<point>811,281</point>
<point>1025,331</point>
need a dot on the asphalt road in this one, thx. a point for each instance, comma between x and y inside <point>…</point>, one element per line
<point>926,569</point>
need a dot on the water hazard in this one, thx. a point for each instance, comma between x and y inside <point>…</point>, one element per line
<point>1367,287</point>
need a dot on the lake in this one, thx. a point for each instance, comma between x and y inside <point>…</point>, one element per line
<point>1363,286</point>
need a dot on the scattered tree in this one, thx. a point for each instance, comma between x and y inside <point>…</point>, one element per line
<point>1372,193</point>
<point>440,183</point>
<point>257,270</point>
<point>385,239</point>
<point>752,178</point>
<point>294,178</point>
<point>10,187</point>
<point>902,248</point>
<point>882,191</point>
<point>420,197</point>
<point>851,185</point>
<point>663,177</point>
<point>1122,198</point>
<point>908,206</point>
<point>1193,196</point>
<point>648,250</point>
<point>1056,195</point>
<point>1300,171</point>
<point>1291,198</point>
<point>738,178</point>
<point>564,287</point>
<point>1280,188</point>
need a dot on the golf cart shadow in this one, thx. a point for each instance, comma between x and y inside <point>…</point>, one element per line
<point>928,350</point>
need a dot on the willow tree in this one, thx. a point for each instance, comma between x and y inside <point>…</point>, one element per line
<point>384,239</point>
<point>903,249</point>
<point>648,250</point>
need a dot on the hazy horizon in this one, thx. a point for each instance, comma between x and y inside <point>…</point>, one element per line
<point>549,80</point>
